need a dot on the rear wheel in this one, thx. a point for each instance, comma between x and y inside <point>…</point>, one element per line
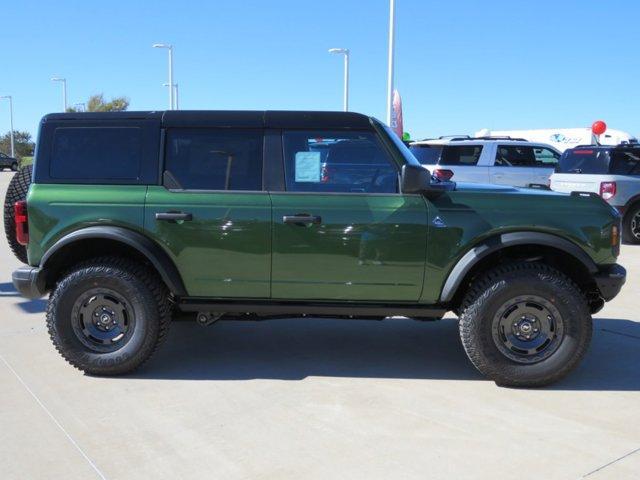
<point>108,316</point>
<point>631,225</point>
<point>16,191</point>
<point>525,325</point>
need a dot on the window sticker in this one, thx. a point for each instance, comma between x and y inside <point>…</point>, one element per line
<point>307,167</point>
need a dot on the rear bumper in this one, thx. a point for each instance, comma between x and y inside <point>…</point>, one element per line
<point>610,280</point>
<point>29,282</point>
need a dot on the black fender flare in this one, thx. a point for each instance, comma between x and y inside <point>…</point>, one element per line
<point>147,247</point>
<point>493,244</point>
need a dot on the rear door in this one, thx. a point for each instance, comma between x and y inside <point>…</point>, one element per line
<point>346,234</point>
<point>211,213</point>
<point>546,162</point>
<point>464,162</point>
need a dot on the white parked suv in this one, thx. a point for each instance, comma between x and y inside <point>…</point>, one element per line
<point>611,172</point>
<point>498,160</point>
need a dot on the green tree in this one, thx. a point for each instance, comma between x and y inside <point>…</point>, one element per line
<point>24,147</point>
<point>97,103</point>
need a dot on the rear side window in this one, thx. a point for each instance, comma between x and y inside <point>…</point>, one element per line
<point>96,153</point>
<point>426,154</point>
<point>515,156</point>
<point>461,155</point>
<point>625,162</point>
<point>215,159</point>
<point>337,161</point>
<point>546,157</point>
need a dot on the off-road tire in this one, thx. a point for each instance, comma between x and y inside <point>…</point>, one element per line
<point>16,191</point>
<point>149,300</point>
<point>493,289</point>
<point>627,224</point>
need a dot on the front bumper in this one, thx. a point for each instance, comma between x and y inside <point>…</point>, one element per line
<point>29,282</point>
<point>610,280</point>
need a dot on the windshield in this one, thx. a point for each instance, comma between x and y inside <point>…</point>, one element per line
<point>590,160</point>
<point>427,154</point>
<point>406,153</point>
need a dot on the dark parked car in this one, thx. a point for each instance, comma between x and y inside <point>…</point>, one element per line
<point>8,162</point>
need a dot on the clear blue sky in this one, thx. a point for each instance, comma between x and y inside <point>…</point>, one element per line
<point>460,65</point>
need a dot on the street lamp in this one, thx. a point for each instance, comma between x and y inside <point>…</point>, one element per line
<point>13,152</point>
<point>175,87</point>
<point>64,91</point>
<point>392,21</point>
<point>345,52</point>
<point>170,49</point>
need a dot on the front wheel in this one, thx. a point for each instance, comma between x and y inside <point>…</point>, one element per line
<point>108,315</point>
<point>525,325</point>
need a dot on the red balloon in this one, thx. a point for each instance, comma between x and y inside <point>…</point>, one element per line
<point>598,127</point>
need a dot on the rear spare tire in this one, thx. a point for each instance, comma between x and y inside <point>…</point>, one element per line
<point>17,191</point>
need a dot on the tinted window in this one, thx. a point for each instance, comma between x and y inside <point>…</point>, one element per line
<point>96,153</point>
<point>460,155</point>
<point>427,154</point>
<point>515,156</point>
<point>546,157</point>
<point>340,161</point>
<point>584,160</point>
<point>215,159</point>
<point>625,162</point>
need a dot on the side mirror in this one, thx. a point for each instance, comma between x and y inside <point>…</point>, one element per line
<point>415,179</point>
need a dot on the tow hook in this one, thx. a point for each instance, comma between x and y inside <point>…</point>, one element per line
<point>208,318</point>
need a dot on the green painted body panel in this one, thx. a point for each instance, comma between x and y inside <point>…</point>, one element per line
<point>225,251</point>
<point>367,247</point>
<point>58,209</point>
<point>473,214</point>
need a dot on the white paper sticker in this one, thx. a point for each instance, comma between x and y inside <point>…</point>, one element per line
<point>307,167</point>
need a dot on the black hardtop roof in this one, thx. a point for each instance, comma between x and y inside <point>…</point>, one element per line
<point>620,146</point>
<point>229,118</point>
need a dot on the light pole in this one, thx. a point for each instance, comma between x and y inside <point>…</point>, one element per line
<point>345,52</point>
<point>13,152</point>
<point>392,21</point>
<point>175,94</point>
<point>64,91</point>
<point>170,49</point>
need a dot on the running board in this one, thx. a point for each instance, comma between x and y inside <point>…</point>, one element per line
<point>309,308</point>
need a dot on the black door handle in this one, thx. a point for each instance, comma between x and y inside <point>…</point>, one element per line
<point>174,216</point>
<point>302,219</point>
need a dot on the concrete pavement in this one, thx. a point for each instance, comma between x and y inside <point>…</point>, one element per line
<point>314,399</point>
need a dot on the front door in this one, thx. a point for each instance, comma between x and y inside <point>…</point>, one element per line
<point>211,214</point>
<point>341,230</point>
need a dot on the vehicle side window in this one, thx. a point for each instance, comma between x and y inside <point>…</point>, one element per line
<point>625,162</point>
<point>546,157</point>
<point>515,156</point>
<point>96,153</point>
<point>460,155</point>
<point>215,159</point>
<point>338,161</point>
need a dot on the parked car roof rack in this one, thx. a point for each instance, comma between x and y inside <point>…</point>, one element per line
<point>498,137</point>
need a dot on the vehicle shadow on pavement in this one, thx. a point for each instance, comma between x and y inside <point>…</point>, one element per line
<point>293,349</point>
<point>28,306</point>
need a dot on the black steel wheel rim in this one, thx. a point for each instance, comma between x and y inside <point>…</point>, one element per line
<point>635,225</point>
<point>103,320</point>
<point>527,329</point>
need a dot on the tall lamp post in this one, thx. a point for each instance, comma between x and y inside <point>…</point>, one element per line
<point>13,152</point>
<point>175,93</point>
<point>170,49</point>
<point>345,52</point>
<point>64,91</point>
<point>392,21</point>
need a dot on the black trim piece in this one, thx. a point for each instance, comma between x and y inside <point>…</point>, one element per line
<point>466,263</point>
<point>273,163</point>
<point>152,251</point>
<point>610,281</point>
<point>274,307</point>
<point>28,282</point>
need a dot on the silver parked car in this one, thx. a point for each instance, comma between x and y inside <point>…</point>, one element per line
<point>613,172</point>
<point>497,160</point>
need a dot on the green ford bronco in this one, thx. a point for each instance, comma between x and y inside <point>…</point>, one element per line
<point>251,215</point>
